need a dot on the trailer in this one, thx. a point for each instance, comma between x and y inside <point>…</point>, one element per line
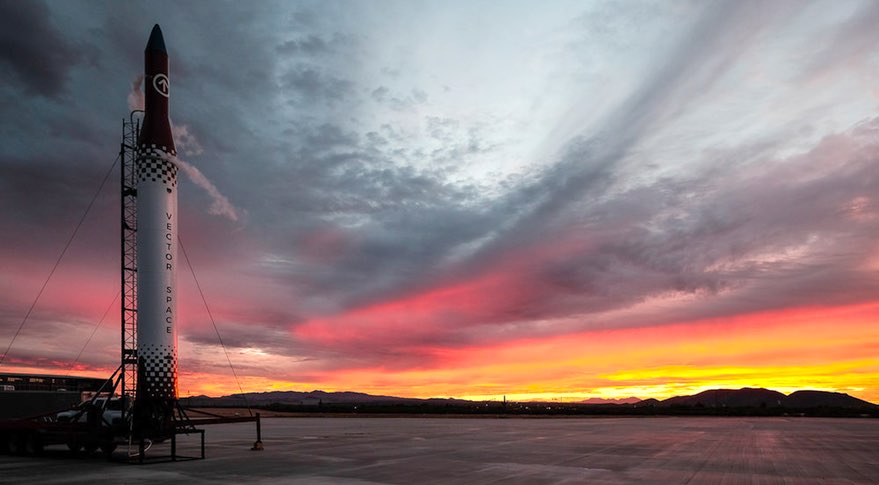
<point>105,422</point>
<point>31,436</point>
<point>95,424</point>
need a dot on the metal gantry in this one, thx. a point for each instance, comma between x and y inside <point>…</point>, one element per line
<point>128,158</point>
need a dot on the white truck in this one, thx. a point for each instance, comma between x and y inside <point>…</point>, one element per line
<point>108,409</point>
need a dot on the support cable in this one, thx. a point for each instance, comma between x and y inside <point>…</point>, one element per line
<point>210,315</point>
<point>58,261</point>
<point>94,331</point>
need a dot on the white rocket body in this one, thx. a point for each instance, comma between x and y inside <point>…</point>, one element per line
<point>157,275</point>
<point>156,242</point>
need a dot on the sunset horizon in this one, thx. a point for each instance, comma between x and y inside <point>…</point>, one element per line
<point>452,200</point>
<point>679,379</point>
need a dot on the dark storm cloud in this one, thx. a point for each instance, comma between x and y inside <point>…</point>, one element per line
<point>244,335</point>
<point>315,45</point>
<point>408,218</point>
<point>310,84</point>
<point>379,93</point>
<point>399,101</point>
<point>38,343</point>
<point>49,196</point>
<point>33,49</point>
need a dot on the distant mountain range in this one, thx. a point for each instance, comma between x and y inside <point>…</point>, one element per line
<point>762,398</point>
<point>308,398</point>
<point>716,398</point>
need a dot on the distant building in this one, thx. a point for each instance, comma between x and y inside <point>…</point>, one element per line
<point>34,394</point>
<point>47,382</point>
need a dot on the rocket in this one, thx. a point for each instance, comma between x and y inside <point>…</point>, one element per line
<point>156,392</point>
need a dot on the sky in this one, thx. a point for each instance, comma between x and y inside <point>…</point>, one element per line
<point>539,200</point>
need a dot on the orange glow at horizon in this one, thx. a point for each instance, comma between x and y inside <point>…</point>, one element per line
<point>832,349</point>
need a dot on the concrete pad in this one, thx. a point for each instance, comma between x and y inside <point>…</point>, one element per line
<point>406,450</point>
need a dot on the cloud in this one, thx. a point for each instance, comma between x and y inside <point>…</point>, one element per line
<point>36,52</point>
<point>778,233</point>
<point>308,84</point>
<point>316,45</point>
<point>379,93</point>
<point>440,217</point>
<point>851,43</point>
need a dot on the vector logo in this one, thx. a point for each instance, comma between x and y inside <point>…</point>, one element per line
<point>162,85</point>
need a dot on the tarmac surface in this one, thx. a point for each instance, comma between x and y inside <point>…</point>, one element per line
<point>407,450</point>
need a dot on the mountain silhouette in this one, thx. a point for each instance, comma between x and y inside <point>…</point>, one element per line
<point>762,398</point>
<point>715,398</point>
<point>730,398</point>
<point>811,399</point>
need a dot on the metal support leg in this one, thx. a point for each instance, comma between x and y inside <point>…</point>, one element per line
<point>257,445</point>
<point>174,446</point>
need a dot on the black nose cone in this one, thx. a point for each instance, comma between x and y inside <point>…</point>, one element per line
<point>156,42</point>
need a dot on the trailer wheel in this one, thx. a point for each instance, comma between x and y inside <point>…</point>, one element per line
<point>108,448</point>
<point>90,448</point>
<point>73,445</point>
<point>13,443</point>
<point>33,444</point>
<point>4,444</point>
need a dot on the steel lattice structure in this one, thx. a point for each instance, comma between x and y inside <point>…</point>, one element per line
<point>128,179</point>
